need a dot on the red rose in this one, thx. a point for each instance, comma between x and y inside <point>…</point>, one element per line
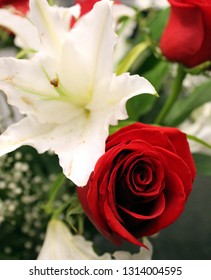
<point>187,36</point>
<point>141,184</point>
<point>20,5</point>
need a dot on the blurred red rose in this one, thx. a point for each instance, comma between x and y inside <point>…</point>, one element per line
<point>187,36</point>
<point>20,5</point>
<point>141,184</point>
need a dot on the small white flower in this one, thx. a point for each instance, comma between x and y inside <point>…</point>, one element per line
<point>61,244</point>
<point>67,90</point>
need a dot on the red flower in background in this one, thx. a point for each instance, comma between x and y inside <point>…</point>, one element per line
<point>141,184</point>
<point>20,5</point>
<point>187,36</point>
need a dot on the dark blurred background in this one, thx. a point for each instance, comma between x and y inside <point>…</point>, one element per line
<point>190,236</point>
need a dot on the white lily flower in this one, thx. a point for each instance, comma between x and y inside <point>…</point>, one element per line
<point>61,244</point>
<point>68,90</point>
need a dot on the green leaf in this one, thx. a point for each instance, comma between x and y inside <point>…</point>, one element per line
<point>113,129</point>
<point>75,209</point>
<point>139,106</point>
<point>5,38</point>
<point>127,62</point>
<point>157,74</point>
<point>183,107</point>
<point>203,164</point>
<point>156,26</point>
<point>75,206</point>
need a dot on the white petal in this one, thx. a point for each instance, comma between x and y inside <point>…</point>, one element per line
<point>124,87</point>
<point>26,132</point>
<point>144,254</point>
<point>51,23</point>
<point>121,89</point>
<point>22,28</point>
<point>75,73</point>
<point>94,38</point>
<point>65,14</point>
<point>79,145</point>
<point>60,244</point>
<point>127,30</point>
<point>27,87</point>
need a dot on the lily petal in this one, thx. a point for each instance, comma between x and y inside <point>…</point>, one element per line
<point>61,244</point>
<point>27,87</point>
<point>143,254</point>
<point>51,24</point>
<point>22,27</point>
<point>122,88</point>
<point>66,14</point>
<point>26,132</point>
<point>79,149</point>
<point>95,31</point>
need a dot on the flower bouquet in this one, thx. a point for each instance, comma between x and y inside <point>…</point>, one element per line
<point>105,122</point>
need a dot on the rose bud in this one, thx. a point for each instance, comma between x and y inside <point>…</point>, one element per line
<point>141,184</point>
<point>187,36</point>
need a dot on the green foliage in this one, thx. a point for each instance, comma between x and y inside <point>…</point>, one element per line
<point>131,57</point>
<point>113,129</point>
<point>157,24</point>
<point>203,164</point>
<point>185,105</point>
<point>6,39</point>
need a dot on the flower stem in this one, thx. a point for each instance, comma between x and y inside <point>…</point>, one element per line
<point>174,94</point>
<point>198,140</point>
<point>49,206</point>
<point>60,210</point>
<point>80,224</point>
